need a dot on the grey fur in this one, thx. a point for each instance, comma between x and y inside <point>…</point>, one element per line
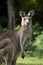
<point>15,41</point>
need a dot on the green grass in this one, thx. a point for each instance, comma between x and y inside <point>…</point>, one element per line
<point>30,61</point>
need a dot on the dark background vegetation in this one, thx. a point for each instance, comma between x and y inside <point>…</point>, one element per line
<point>37,24</point>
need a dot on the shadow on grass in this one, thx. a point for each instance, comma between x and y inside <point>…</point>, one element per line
<point>27,64</point>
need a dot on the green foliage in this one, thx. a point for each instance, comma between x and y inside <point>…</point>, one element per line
<point>39,41</point>
<point>37,46</point>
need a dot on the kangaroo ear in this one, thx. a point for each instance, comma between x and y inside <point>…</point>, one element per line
<point>22,13</point>
<point>31,13</point>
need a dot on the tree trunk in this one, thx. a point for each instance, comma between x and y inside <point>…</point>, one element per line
<point>11,15</point>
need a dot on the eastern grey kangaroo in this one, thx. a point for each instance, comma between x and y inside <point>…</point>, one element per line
<point>15,41</point>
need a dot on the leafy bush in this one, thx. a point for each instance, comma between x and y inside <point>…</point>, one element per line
<point>39,45</point>
<point>39,41</point>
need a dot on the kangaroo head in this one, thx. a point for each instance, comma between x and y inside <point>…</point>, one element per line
<point>26,18</point>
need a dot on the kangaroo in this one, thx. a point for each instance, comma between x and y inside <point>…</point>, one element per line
<point>15,41</point>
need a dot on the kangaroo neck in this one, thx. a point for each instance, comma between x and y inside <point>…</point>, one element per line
<point>24,28</point>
